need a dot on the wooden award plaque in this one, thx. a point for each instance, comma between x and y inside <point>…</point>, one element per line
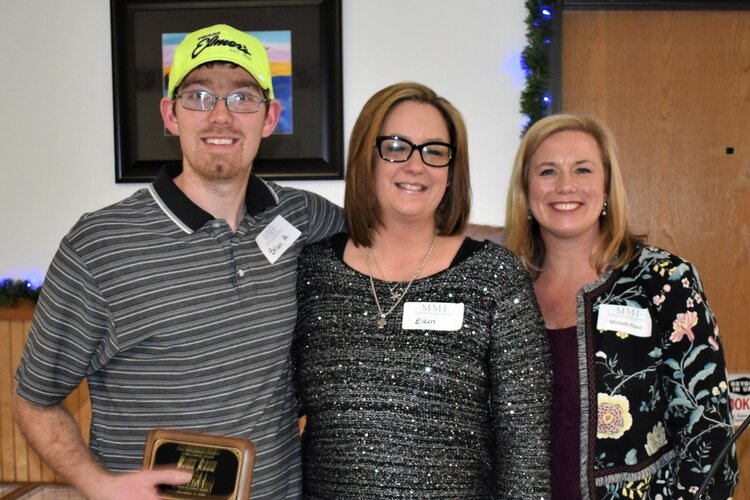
<point>222,466</point>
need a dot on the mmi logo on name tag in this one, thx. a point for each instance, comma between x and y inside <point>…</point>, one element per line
<point>442,316</point>
<point>631,320</point>
<point>276,238</point>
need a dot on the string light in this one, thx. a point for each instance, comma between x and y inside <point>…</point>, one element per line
<point>535,104</point>
<point>14,291</point>
<point>536,99</point>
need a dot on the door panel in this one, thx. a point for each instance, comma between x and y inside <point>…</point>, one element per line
<point>674,87</point>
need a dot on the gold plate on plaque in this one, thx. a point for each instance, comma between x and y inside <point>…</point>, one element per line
<point>222,466</point>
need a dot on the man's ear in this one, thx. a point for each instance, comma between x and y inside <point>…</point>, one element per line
<point>272,118</point>
<point>166,106</point>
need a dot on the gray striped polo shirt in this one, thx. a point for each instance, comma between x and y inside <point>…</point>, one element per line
<point>178,322</point>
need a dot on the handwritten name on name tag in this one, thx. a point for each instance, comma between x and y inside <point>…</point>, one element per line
<point>276,238</point>
<point>631,320</point>
<point>442,316</point>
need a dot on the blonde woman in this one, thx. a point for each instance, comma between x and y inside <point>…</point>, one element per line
<point>640,404</point>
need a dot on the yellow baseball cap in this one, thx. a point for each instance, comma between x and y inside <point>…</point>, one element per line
<point>220,43</point>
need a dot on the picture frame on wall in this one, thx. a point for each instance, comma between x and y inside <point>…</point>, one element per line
<point>303,39</point>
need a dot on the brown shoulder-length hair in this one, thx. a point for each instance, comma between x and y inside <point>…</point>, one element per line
<point>361,208</point>
<point>615,245</point>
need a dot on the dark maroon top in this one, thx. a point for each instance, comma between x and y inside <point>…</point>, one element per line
<point>566,415</point>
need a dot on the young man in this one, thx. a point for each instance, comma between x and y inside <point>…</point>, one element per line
<point>178,303</point>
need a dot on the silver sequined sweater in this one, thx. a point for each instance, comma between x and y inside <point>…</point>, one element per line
<point>396,413</point>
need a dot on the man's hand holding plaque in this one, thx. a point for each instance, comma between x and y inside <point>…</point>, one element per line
<point>222,467</point>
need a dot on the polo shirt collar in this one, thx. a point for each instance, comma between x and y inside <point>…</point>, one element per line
<point>258,197</point>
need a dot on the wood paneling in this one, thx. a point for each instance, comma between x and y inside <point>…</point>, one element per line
<point>18,462</point>
<point>674,86</point>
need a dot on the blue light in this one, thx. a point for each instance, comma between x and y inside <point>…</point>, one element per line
<point>546,12</point>
<point>524,66</point>
<point>547,99</point>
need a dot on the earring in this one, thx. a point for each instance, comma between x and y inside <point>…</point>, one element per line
<point>604,209</point>
<point>529,216</point>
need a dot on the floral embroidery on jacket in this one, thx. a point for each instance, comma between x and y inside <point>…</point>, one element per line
<point>655,439</point>
<point>614,416</point>
<point>662,404</point>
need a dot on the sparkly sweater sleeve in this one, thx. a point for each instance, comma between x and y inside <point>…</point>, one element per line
<point>521,378</point>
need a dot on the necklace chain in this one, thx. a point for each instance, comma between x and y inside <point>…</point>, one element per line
<point>382,315</point>
<point>392,288</point>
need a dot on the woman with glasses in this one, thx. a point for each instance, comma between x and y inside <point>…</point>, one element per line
<point>421,360</point>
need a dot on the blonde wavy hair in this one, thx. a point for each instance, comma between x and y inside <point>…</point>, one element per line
<point>616,244</point>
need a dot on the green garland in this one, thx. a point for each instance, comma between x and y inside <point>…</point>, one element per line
<point>535,104</point>
<point>535,98</point>
<point>14,291</point>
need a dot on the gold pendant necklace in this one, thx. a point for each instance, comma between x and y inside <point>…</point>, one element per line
<point>382,315</point>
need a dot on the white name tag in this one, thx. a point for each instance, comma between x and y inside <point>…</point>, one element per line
<point>443,316</point>
<point>626,319</point>
<point>276,238</point>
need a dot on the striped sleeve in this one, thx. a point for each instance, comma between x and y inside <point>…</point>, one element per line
<point>325,217</point>
<point>69,334</point>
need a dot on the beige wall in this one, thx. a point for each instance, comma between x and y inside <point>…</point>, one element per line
<point>56,145</point>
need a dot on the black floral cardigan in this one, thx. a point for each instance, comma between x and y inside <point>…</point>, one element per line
<point>655,407</point>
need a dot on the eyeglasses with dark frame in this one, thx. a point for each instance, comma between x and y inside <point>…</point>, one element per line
<point>396,149</point>
<point>237,102</point>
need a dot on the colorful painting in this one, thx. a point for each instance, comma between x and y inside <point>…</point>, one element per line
<point>279,47</point>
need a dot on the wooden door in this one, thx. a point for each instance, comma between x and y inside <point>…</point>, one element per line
<point>674,86</point>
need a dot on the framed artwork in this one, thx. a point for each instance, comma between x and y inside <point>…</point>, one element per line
<point>303,40</point>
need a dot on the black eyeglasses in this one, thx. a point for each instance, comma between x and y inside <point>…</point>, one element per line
<point>238,102</point>
<point>395,149</point>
